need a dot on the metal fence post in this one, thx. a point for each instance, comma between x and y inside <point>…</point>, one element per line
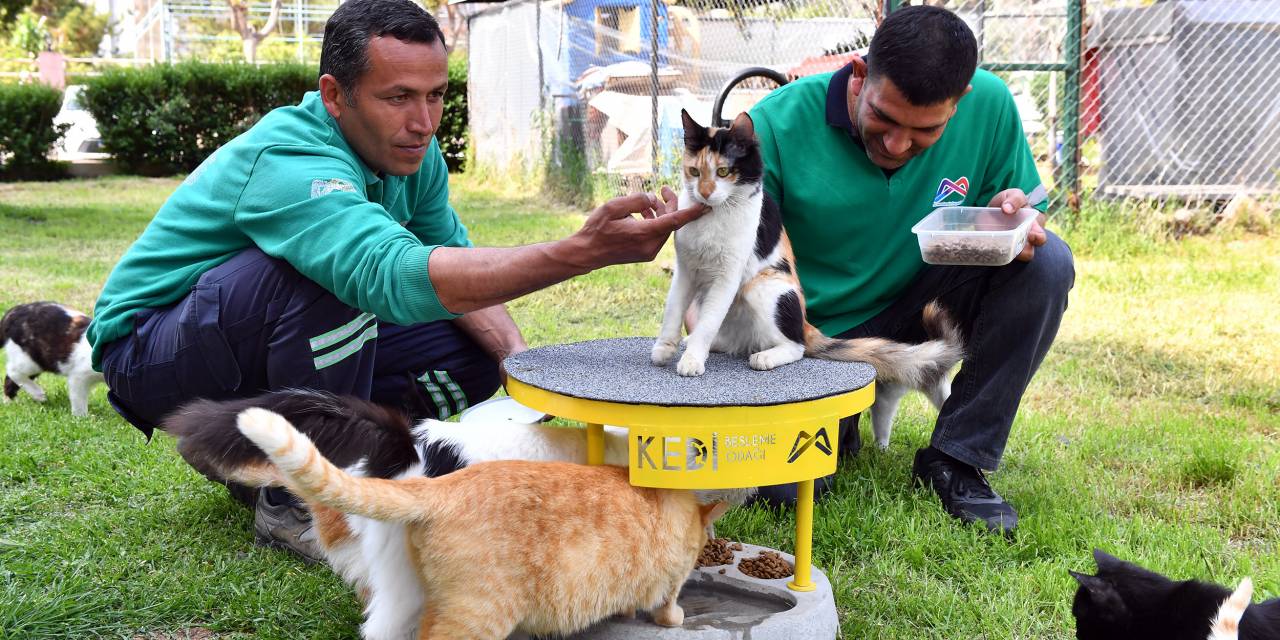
<point>653,84</point>
<point>1069,171</point>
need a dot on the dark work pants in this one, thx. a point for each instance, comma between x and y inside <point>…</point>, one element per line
<point>1009,316</point>
<point>254,324</point>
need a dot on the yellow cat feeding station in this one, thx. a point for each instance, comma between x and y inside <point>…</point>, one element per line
<point>732,427</point>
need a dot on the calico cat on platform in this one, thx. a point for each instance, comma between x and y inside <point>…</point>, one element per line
<point>735,263</point>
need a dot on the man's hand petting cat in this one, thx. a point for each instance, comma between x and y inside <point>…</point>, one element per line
<point>1010,201</point>
<point>632,228</point>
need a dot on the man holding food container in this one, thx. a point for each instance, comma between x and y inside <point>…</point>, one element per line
<point>912,137</point>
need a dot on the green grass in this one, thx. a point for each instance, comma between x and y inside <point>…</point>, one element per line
<point>1150,431</point>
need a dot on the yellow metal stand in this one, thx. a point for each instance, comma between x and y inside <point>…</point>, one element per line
<point>719,447</point>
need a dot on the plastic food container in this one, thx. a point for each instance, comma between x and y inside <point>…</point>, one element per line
<point>980,236</point>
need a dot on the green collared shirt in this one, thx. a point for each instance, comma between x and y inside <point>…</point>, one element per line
<point>850,223</point>
<point>293,187</point>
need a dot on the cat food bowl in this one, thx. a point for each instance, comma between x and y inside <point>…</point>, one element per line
<point>977,236</point>
<point>728,602</point>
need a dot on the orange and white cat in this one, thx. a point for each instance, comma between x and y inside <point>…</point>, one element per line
<point>540,547</point>
<point>736,264</point>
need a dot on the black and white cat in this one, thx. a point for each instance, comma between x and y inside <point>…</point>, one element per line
<point>42,337</point>
<point>1126,602</point>
<point>736,264</point>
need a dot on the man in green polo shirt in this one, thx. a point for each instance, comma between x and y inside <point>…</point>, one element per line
<point>854,159</point>
<point>318,250</point>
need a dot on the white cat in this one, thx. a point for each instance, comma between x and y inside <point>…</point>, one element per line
<point>42,337</point>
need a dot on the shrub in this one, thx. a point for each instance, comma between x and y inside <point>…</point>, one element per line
<point>167,119</point>
<point>27,132</point>
<point>452,132</point>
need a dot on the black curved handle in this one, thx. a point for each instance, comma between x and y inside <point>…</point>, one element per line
<point>718,120</point>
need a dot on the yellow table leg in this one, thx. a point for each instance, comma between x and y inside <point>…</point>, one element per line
<point>804,537</point>
<point>595,444</point>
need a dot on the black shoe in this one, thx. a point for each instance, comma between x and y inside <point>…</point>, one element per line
<point>850,441</point>
<point>964,491</point>
<point>282,524</point>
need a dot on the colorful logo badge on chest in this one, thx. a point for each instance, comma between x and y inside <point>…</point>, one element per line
<point>951,192</point>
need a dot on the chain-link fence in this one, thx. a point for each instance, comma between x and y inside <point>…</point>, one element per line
<point>1153,99</point>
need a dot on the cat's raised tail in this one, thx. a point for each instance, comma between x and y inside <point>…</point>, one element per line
<point>311,476</point>
<point>1226,625</point>
<point>915,365</point>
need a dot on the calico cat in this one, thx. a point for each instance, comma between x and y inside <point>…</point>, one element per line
<point>42,337</point>
<point>373,441</point>
<point>1125,601</point>
<point>539,547</point>
<point>736,264</point>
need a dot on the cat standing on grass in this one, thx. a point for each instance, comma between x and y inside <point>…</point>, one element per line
<point>41,337</point>
<point>736,264</point>
<point>1126,602</point>
<point>541,547</point>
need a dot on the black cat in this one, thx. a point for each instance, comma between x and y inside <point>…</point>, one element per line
<point>1126,602</point>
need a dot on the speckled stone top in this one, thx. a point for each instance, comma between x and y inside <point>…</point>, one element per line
<point>619,370</point>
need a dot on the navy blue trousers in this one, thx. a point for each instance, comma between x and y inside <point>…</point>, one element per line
<point>254,324</point>
<point>1009,317</point>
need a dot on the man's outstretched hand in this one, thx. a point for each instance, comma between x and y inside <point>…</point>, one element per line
<point>631,228</point>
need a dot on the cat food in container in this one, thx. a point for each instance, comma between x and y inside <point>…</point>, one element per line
<point>981,236</point>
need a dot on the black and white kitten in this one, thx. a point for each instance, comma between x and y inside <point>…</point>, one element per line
<point>1126,602</point>
<point>42,337</point>
<point>736,264</point>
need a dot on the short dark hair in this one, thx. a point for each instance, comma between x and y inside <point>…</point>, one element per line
<point>928,52</point>
<point>345,52</point>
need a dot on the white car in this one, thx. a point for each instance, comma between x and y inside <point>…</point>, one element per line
<point>82,136</point>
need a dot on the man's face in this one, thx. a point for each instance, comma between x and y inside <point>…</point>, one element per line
<point>892,129</point>
<point>396,105</point>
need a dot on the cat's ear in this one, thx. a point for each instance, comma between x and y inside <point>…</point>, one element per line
<point>1105,560</point>
<point>743,125</point>
<point>1085,580</point>
<point>695,135</point>
<point>712,512</point>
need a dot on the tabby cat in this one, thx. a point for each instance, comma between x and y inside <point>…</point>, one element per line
<point>1126,602</point>
<point>496,547</point>
<point>736,264</point>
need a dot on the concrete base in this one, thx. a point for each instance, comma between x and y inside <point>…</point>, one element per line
<point>733,606</point>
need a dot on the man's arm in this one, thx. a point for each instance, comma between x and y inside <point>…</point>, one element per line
<point>494,330</point>
<point>469,279</point>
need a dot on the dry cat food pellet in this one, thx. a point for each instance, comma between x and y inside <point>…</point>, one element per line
<point>767,566</point>
<point>965,252</point>
<point>716,552</point>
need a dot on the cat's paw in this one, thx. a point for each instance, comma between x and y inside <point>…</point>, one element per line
<point>772,359</point>
<point>669,616</point>
<point>38,396</point>
<point>662,353</point>
<point>690,365</point>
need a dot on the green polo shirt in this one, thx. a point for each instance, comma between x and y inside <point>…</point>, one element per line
<point>849,224</point>
<point>292,187</point>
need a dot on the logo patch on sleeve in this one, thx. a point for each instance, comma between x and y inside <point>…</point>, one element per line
<point>951,192</point>
<point>322,187</point>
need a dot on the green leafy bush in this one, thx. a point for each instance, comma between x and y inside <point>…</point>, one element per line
<point>167,119</point>
<point>27,132</point>
<point>452,132</point>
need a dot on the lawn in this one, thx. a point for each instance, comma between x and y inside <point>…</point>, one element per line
<point>1150,432</point>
